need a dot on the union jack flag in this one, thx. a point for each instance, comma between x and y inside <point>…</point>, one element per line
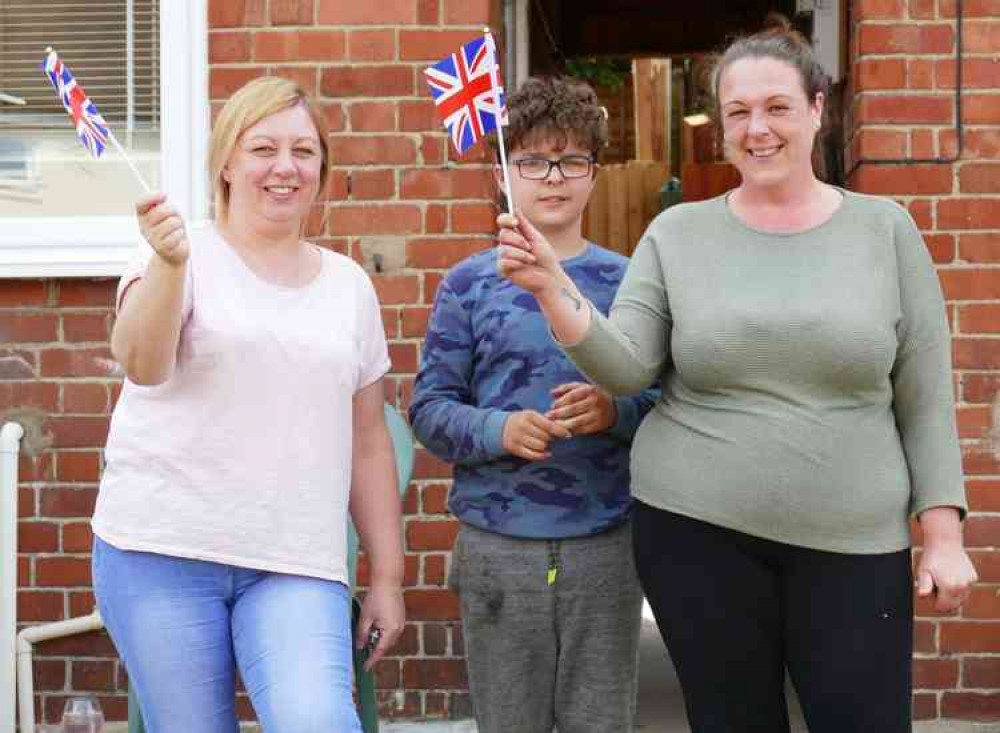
<point>90,126</point>
<point>463,92</point>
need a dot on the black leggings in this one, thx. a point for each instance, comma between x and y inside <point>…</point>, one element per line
<point>735,611</point>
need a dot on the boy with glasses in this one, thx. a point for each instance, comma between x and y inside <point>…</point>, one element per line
<point>543,560</point>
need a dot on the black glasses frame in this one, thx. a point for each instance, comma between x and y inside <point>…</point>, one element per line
<point>555,164</point>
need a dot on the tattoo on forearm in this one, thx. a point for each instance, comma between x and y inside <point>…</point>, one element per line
<point>576,301</point>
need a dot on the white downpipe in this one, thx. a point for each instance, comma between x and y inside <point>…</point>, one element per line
<point>25,640</point>
<point>10,446</point>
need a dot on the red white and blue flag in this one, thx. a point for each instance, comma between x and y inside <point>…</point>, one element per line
<point>463,90</point>
<point>90,126</point>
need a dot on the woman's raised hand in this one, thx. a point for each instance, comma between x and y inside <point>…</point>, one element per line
<point>525,256</point>
<point>162,226</point>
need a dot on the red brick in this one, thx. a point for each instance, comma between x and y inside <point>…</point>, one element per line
<point>906,38</point>
<point>93,675</point>
<point>78,362</point>
<point>983,601</point>
<point>383,219</point>
<point>922,9</point>
<point>980,318</point>
<point>372,150</point>
<point>291,12</point>
<point>895,109</point>
<point>352,12</point>
<point>30,327</point>
<point>922,144</point>
<point>983,494</point>
<point>434,570</point>
<point>968,213</point>
<point>414,322</point>
<point>982,531</point>
<point>971,8</point>
<point>371,45</point>
<point>920,180</point>
<point>428,12</point>
<point>941,247</point>
<point>34,536</point>
<point>49,674</point>
<point>880,74</point>
<point>978,462</point>
<point>81,603</point>
<point>425,45</point>
<point>78,431</point>
<point>433,535</point>
<point>982,144</point>
<point>359,81</point>
<point>427,466</point>
<point>435,499</point>
<point>981,36</point>
<point>372,116</point>
<point>974,421</point>
<point>225,13</point>
<point>77,537</point>
<point>43,395</point>
<point>473,218</point>
<point>93,644</point>
<point>83,327</point>
<point>433,150</point>
<point>23,293</point>
<point>970,636</point>
<point>62,572</point>
<point>435,219</point>
<point>305,76</point>
<point>447,183</point>
<point>396,288</point>
<point>390,321</point>
<point>977,73</point>
<point>403,358</point>
<point>367,185</point>
<point>335,119</point>
<point>979,247</point>
<point>66,502</point>
<point>417,116</point>
<point>229,47</point>
<point>919,74</point>
<point>39,606</point>
<point>298,46</point>
<point>222,82</point>
<point>86,293</point>
<point>467,12</point>
<point>981,672</point>
<point>433,674</point>
<point>980,177</point>
<point>388,675</point>
<point>440,252</point>
<point>935,674</point>
<point>85,397</point>
<point>981,109</point>
<point>980,387</point>
<point>925,706</point>
<point>971,706</point>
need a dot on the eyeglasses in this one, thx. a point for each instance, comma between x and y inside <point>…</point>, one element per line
<point>538,169</point>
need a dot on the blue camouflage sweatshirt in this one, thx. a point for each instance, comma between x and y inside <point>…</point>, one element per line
<point>488,353</point>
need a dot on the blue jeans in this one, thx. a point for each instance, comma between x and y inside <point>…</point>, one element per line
<point>183,627</point>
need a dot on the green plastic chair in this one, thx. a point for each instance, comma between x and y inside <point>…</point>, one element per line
<point>403,447</point>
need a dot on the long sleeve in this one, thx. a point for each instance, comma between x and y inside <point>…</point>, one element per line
<point>631,411</point>
<point>626,352</point>
<point>443,414</point>
<point>923,400</point>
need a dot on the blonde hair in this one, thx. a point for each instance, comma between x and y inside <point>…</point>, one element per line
<point>254,101</point>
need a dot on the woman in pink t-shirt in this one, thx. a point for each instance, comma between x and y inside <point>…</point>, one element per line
<point>250,423</point>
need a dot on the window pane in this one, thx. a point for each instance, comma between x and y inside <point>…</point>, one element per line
<point>112,49</point>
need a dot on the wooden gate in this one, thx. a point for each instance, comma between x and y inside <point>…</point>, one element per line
<point>626,198</point>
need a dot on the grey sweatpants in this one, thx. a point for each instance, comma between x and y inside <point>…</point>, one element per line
<point>543,655</point>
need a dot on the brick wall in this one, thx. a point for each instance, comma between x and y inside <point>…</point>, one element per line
<point>904,82</point>
<point>402,206</point>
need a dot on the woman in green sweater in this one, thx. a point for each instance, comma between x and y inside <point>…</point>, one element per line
<point>806,415</point>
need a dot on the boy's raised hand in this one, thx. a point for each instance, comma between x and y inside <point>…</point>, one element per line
<point>527,434</point>
<point>583,408</point>
<point>162,226</point>
<point>525,256</point>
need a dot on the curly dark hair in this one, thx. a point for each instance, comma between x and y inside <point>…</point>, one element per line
<point>558,109</point>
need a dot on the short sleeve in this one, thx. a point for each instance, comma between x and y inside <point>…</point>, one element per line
<point>135,270</point>
<point>373,361</point>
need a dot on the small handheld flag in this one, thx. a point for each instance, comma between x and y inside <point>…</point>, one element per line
<point>91,128</point>
<point>469,97</point>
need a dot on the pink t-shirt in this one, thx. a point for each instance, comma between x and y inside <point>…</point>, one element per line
<point>244,455</point>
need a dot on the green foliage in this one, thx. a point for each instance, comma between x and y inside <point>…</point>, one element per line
<point>604,72</point>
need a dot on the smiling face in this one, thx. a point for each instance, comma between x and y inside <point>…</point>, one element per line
<point>554,204</point>
<point>768,123</point>
<point>274,170</point>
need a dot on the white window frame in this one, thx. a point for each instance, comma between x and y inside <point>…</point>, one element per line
<point>101,246</point>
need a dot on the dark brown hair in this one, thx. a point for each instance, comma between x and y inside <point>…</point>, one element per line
<point>779,41</point>
<point>556,108</point>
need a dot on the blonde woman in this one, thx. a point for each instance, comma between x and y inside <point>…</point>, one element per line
<point>254,363</point>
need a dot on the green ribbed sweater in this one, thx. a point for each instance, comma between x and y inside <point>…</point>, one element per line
<point>807,388</point>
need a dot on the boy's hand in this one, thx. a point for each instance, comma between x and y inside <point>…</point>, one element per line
<point>583,408</point>
<point>525,256</point>
<point>163,228</point>
<point>527,434</point>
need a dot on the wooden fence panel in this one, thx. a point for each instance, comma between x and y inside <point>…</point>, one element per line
<point>625,199</point>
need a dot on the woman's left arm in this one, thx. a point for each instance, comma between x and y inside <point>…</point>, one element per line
<point>945,568</point>
<point>375,510</point>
